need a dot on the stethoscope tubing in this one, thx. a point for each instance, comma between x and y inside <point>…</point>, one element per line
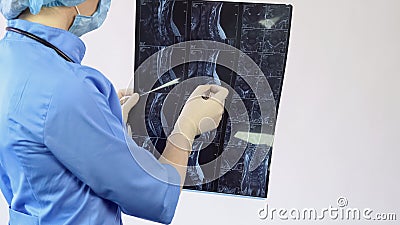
<point>41,41</point>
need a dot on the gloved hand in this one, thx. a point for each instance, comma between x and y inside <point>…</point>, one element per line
<point>127,104</point>
<point>201,113</point>
<point>124,94</point>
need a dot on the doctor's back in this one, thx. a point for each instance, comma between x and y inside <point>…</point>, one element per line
<point>33,181</point>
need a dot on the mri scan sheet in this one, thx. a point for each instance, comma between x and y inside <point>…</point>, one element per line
<point>241,46</point>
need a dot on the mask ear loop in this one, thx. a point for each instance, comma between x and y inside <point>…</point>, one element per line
<point>77,10</point>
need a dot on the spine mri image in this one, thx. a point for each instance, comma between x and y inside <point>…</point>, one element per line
<point>252,41</point>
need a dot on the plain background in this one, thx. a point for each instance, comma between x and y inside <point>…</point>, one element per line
<point>338,125</point>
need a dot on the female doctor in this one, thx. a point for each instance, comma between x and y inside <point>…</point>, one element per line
<point>64,158</point>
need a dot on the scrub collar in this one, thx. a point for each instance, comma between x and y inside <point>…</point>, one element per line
<point>67,42</point>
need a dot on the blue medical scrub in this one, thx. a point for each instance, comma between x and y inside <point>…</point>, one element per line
<point>64,158</point>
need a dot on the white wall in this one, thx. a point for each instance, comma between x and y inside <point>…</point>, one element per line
<point>337,132</point>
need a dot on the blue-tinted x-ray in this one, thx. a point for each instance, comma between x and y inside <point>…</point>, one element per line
<point>259,31</point>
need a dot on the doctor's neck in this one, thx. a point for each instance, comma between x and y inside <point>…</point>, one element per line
<point>58,17</point>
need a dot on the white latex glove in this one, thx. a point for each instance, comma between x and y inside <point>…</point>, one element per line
<point>128,104</point>
<point>201,113</point>
<point>124,94</point>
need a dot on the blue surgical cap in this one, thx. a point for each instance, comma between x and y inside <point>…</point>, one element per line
<point>11,9</point>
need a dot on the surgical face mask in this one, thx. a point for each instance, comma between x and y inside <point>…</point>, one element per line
<point>84,24</point>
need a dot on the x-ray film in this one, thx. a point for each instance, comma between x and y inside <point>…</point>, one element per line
<point>241,46</point>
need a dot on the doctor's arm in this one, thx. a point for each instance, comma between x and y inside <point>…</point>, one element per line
<point>87,138</point>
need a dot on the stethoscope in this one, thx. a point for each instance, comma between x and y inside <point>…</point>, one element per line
<point>41,41</point>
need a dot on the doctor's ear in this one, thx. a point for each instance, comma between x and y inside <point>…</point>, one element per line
<point>88,7</point>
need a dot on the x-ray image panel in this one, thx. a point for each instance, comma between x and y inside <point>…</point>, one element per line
<point>217,21</point>
<point>242,46</point>
<point>162,23</point>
